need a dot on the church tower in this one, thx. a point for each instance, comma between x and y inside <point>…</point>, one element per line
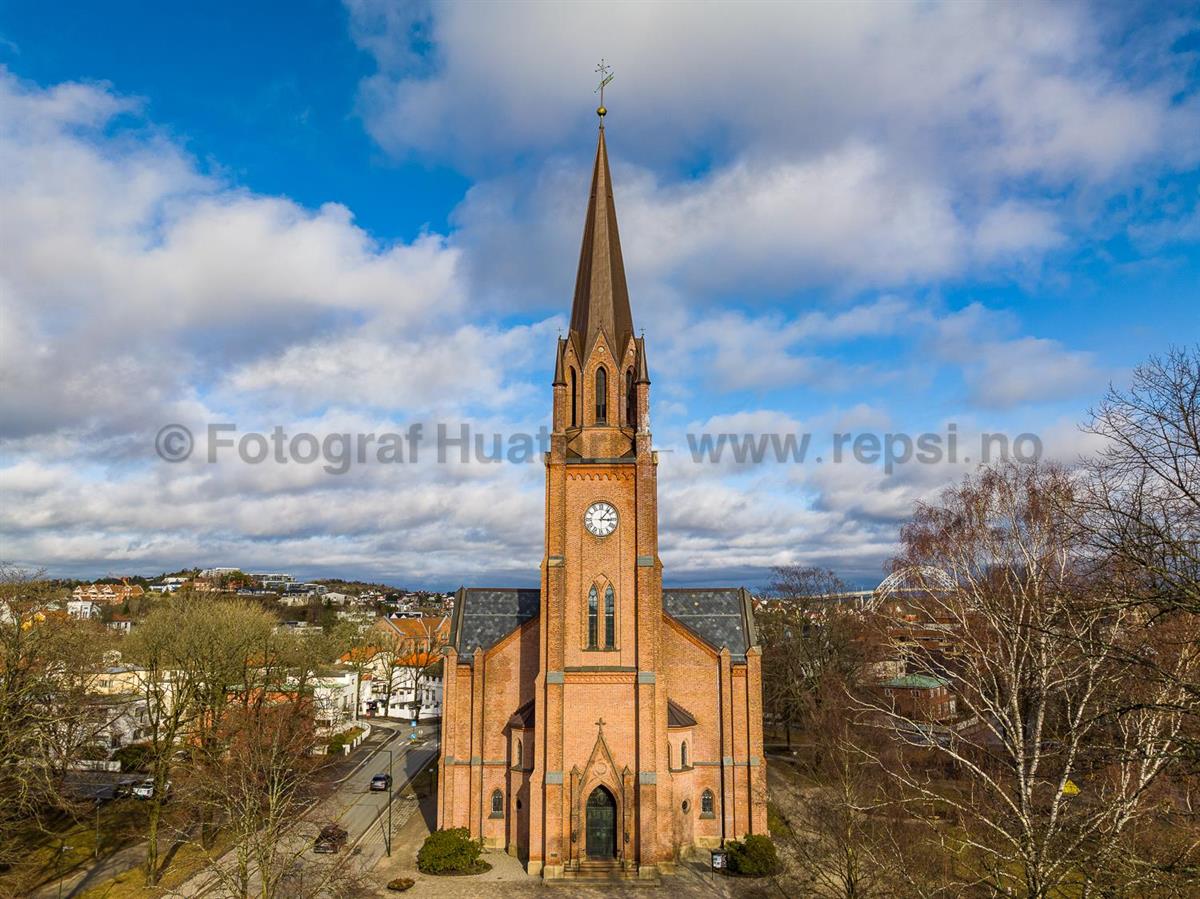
<point>605,717</point>
<point>602,726</point>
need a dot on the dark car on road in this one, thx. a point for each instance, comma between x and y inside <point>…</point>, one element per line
<point>381,782</point>
<point>331,839</point>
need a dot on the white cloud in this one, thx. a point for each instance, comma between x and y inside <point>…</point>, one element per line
<point>1003,369</point>
<point>1030,87</point>
<point>762,148</point>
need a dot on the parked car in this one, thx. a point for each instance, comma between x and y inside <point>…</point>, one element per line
<point>331,839</point>
<point>145,789</point>
<point>381,782</point>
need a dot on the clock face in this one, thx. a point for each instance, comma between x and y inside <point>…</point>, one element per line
<point>600,519</point>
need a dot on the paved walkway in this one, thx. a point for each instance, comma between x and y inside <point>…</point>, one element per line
<point>508,877</point>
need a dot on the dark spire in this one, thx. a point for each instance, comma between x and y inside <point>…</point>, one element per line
<point>601,297</point>
<point>643,370</point>
<point>560,377</point>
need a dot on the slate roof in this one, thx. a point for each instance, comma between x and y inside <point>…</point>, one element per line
<point>678,716</point>
<point>720,616</point>
<point>485,616</point>
<point>916,682</point>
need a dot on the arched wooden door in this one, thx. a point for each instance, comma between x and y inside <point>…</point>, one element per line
<point>601,824</point>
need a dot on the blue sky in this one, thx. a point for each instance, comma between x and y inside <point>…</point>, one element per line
<point>339,218</point>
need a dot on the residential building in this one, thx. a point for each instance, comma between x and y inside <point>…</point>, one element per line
<point>83,609</point>
<point>920,698</point>
<point>107,593</point>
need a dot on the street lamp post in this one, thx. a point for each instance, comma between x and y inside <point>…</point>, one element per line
<point>387,841</point>
<point>62,850</point>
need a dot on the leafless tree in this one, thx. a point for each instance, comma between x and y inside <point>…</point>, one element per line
<point>46,660</point>
<point>264,783</point>
<point>407,656</point>
<point>1140,510</point>
<point>848,829</point>
<point>223,648</point>
<point>169,691</point>
<point>1142,505</point>
<point>1041,782</point>
<point>809,637</point>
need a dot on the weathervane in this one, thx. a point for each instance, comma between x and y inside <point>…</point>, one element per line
<point>605,78</point>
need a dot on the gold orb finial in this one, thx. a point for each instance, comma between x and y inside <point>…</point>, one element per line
<point>605,77</point>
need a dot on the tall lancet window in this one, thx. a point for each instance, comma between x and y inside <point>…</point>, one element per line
<point>593,618</point>
<point>574,401</point>
<point>610,618</point>
<point>630,400</point>
<point>601,395</point>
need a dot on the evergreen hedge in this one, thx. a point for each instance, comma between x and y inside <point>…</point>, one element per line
<point>451,852</point>
<point>754,856</point>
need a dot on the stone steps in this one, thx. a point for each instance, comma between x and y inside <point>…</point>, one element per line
<point>596,871</point>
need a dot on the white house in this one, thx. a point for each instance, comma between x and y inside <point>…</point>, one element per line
<point>335,705</point>
<point>83,609</point>
<point>406,690</point>
<point>416,678</point>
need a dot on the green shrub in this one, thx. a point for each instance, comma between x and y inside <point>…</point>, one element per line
<point>754,856</point>
<point>451,852</point>
<point>134,757</point>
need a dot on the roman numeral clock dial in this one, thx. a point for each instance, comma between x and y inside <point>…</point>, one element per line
<point>600,519</point>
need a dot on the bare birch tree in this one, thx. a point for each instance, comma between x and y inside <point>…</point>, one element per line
<point>1040,785</point>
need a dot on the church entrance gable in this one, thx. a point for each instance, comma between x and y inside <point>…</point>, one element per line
<point>601,806</point>
<point>601,824</point>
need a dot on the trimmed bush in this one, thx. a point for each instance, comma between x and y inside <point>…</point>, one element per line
<point>134,757</point>
<point>451,852</point>
<point>754,856</point>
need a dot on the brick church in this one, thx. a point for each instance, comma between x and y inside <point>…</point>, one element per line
<point>602,724</point>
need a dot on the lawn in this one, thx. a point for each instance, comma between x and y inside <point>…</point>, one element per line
<point>187,861</point>
<point>72,844</point>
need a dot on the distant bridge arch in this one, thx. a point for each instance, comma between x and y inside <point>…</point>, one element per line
<point>906,581</point>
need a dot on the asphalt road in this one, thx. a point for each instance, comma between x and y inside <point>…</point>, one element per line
<point>352,805</point>
<point>363,813</point>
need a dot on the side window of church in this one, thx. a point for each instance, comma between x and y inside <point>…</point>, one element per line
<point>630,399</point>
<point>601,395</point>
<point>518,756</point>
<point>706,802</point>
<point>574,401</point>
<point>683,754</point>
<point>593,623</point>
<point>610,618</point>
<point>497,804</point>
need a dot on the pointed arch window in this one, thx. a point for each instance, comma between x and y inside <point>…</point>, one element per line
<point>610,618</point>
<point>706,803</point>
<point>630,399</point>
<point>519,755</point>
<point>497,804</point>
<point>574,401</point>
<point>601,395</point>
<point>593,618</point>
<point>683,754</point>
